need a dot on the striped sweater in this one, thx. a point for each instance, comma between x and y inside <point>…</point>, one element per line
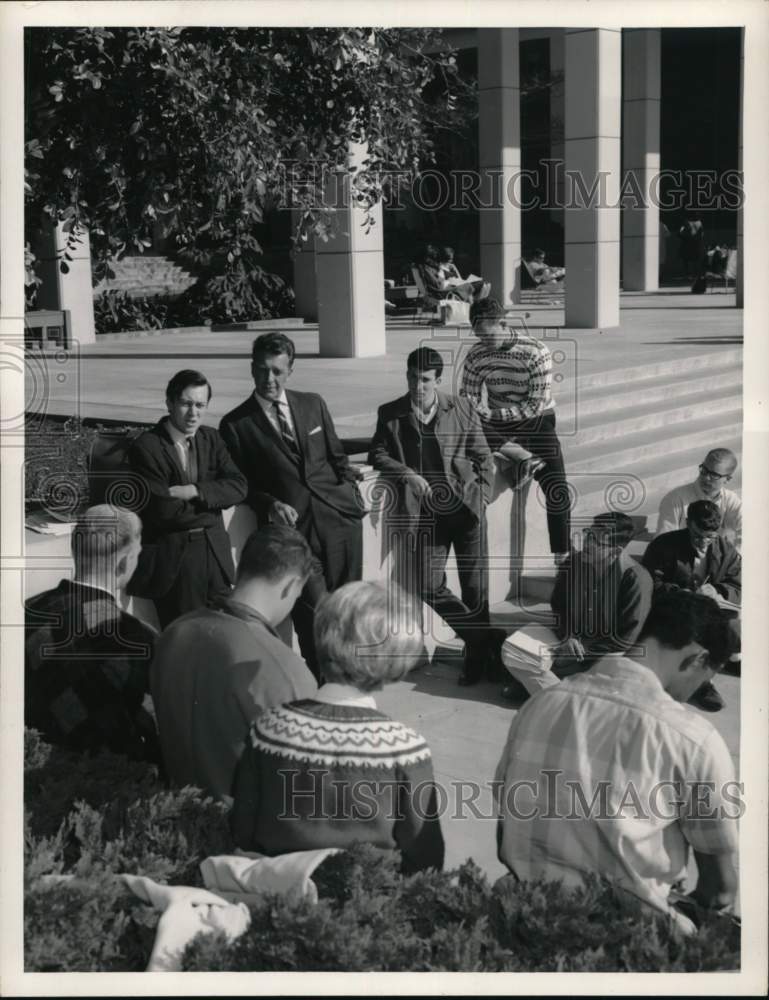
<point>517,378</point>
<point>315,774</point>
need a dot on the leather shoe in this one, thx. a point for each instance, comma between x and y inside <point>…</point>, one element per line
<point>468,677</point>
<point>515,692</point>
<point>707,698</point>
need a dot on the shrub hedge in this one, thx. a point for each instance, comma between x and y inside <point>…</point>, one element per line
<point>92,818</point>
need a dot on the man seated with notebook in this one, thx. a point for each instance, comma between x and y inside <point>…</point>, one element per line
<point>600,601</point>
<point>699,558</point>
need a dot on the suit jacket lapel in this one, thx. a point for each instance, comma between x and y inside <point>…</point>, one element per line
<point>299,419</point>
<point>170,452</point>
<point>271,434</point>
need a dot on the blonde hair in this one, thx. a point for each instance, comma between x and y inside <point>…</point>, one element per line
<point>101,535</point>
<point>367,635</point>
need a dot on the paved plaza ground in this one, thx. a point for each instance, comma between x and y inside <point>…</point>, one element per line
<point>124,379</point>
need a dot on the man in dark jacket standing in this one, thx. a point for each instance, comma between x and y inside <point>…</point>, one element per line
<point>188,478</point>
<point>698,558</point>
<point>432,451</point>
<point>298,475</point>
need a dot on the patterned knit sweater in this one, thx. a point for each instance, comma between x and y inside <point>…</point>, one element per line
<point>315,775</point>
<point>517,378</point>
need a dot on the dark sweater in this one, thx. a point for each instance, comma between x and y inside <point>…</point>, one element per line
<point>326,775</point>
<point>87,672</point>
<point>670,560</point>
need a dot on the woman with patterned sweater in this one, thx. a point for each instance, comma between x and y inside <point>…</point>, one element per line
<point>332,770</point>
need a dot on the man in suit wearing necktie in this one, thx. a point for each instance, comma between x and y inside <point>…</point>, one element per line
<point>285,444</point>
<point>190,478</point>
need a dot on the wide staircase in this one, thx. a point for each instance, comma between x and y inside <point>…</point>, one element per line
<point>631,434</point>
<point>145,276</point>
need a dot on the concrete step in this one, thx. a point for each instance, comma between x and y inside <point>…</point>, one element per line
<point>594,399</point>
<point>671,367</point>
<point>622,453</point>
<point>670,416</point>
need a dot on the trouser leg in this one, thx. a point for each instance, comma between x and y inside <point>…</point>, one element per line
<point>540,438</point>
<point>200,579</point>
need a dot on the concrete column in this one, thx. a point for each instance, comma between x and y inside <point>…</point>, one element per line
<point>73,290</point>
<point>741,211</point>
<point>305,284</point>
<point>557,119</point>
<point>592,141</point>
<point>349,270</point>
<point>499,156</point>
<point>640,157</point>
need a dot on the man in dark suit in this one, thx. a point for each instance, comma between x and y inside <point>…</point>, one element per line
<point>189,479</point>
<point>285,444</point>
<point>86,664</point>
<point>433,451</point>
<point>698,558</point>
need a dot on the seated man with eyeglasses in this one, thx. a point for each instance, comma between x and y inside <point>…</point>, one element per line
<point>600,602</point>
<point>715,472</point>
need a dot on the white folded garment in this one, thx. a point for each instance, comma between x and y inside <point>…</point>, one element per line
<point>186,912</point>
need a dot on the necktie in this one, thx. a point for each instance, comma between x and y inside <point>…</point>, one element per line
<point>285,430</point>
<point>192,461</point>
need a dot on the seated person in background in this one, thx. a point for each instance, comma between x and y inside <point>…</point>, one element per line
<point>716,470</point>
<point>541,273</point>
<point>576,751</point>
<point>332,769</point>
<point>216,669</point>
<point>87,662</point>
<point>601,599</point>
<point>439,286</point>
<point>697,558</point>
<point>470,288</point>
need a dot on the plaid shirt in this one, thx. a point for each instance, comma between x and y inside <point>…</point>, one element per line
<point>613,733</point>
<point>517,378</point>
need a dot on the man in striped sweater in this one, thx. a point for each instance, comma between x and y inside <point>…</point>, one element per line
<point>514,373</point>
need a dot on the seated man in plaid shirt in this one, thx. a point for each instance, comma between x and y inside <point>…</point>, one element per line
<point>610,772</point>
<point>516,372</point>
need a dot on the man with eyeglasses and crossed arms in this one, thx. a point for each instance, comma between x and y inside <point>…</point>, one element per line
<point>716,470</point>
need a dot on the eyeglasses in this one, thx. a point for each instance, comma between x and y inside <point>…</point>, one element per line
<point>714,475</point>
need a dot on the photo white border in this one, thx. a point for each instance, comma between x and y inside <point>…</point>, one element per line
<point>754,745</point>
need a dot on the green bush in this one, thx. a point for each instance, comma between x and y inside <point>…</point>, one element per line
<point>117,312</point>
<point>88,819</point>
<point>221,298</point>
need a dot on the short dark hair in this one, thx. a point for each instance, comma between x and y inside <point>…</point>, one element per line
<point>620,525</point>
<point>705,514</point>
<point>273,343</point>
<point>273,551</point>
<point>446,253</point>
<point>679,617</point>
<point>486,309</point>
<point>183,380</point>
<point>425,359</point>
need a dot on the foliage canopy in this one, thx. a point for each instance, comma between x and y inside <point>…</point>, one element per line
<point>197,133</point>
